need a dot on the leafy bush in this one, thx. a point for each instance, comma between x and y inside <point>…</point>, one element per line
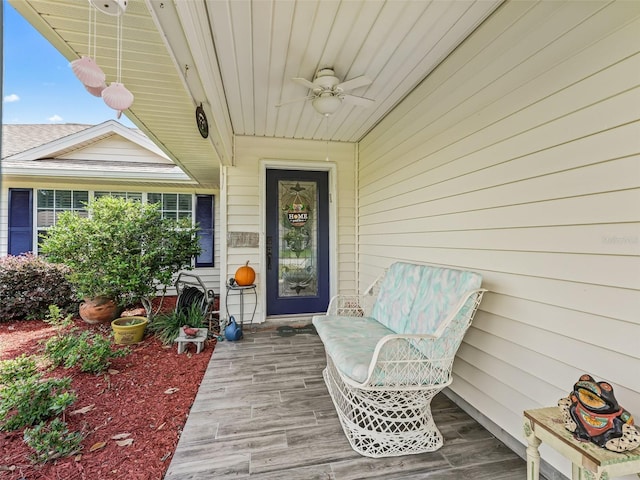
<point>166,326</point>
<point>16,369</point>
<point>32,400</point>
<point>51,441</point>
<point>29,284</point>
<point>123,250</point>
<point>91,351</point>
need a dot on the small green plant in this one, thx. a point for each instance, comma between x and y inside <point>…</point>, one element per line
<point>51,441</point>
<point>96,354</point>
<point>131,322</point>
<point>55,318</point>
<point>166,326</point>
<point>91,351</point>
<point>32,400</point>
<point>16,369</point>
<point>59,349</point>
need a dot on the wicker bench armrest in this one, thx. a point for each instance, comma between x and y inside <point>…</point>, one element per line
<point>348,305</point>
<point>356,305</point>
<point>409,361</point>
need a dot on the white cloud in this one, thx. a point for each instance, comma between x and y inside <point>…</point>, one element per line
<point>11,98</point>
<point>55,118</point>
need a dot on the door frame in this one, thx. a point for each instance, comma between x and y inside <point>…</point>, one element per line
<point>329,167</point>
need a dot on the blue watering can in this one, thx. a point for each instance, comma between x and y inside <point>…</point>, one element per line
<point>233,331</point>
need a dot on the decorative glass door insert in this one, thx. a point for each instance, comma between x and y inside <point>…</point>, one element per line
<point>298,232</point>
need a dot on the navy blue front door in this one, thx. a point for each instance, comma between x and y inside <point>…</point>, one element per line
<point>297,243</point>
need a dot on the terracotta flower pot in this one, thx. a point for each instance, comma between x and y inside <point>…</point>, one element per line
<point>99,310</point>
<point>128,330</point>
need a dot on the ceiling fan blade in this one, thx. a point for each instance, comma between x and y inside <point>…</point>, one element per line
<point>304,82</point>
<point>308,97</point>
<point>354,83</point>
<point>359,101</point>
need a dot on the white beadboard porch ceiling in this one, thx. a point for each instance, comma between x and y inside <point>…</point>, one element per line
<point>237,58</point>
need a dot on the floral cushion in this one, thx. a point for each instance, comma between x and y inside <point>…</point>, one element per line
<point>350,342</point>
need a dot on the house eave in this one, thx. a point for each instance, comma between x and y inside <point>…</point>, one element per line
<point>51,173</point>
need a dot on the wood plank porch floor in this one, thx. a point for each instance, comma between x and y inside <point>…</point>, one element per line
<point>263,411</point>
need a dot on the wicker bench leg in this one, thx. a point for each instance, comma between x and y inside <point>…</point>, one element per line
<point>381,423</point>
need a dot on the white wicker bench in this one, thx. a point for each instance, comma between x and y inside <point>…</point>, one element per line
<point>385,366</point>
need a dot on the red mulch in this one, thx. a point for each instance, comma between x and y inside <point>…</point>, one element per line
<point>130,398</point>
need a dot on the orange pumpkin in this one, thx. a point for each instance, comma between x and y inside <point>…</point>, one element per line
<point>245,275</point>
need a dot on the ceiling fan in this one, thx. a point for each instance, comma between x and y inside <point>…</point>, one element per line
<point>328,92</point>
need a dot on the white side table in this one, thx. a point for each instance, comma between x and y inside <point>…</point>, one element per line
<point>198,340</point>
<point>589,462</point>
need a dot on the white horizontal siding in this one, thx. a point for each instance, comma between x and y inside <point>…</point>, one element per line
<point>115,149</point>
<point>243,204</point>
<point>519,158</point>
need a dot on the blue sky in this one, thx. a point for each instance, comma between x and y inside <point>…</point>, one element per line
<point>39,85</point>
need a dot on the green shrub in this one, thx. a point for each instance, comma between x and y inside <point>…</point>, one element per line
<point>51,441</point>
<point>29,284</point>
<point>16,369</point>
<point>166,326</point>
<point>32,400</point>
<point>123,250</point>
<point>91,351</point>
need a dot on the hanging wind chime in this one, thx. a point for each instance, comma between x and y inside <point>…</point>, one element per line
<point>86,68</point>
<point>116,95</point>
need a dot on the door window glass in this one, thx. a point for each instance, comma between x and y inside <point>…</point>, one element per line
<point>298,233</point>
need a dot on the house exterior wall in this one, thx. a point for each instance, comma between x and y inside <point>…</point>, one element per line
<point>210,276</point>
<point>243,209</point>
<point>518,158</point>
<point>114,148</point>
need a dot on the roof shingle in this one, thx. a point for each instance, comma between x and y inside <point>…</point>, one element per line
<point>17,138</point>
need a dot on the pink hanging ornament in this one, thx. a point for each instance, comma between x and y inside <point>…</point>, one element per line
<point>117,96</point>
<point>96,91</point>
<point>88,72</point>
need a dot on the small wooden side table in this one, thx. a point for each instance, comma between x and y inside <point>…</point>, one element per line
<point>589,462</point>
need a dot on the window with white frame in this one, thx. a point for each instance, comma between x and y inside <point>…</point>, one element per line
<point>137,196</point>
<point>173,205</point>
<point>50,203</point>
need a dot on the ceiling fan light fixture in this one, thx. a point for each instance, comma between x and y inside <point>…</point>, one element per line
<point>326,104</point>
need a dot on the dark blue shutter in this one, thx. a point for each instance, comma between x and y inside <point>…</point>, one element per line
<point>20,221</point>
<point>204,219</point>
